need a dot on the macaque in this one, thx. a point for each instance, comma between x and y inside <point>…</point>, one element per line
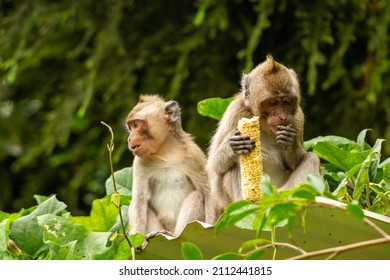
<point>270,91</point>
<point>169,178</point>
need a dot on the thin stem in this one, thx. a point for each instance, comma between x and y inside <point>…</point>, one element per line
<point>336,250</point>
<point>110,148</point>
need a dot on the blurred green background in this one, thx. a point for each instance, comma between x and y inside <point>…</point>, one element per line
<point>66,65</point>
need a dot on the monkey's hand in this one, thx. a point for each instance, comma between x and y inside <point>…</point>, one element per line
<point>157,232</point>
<point>286,136</point>
<point>241,144</point>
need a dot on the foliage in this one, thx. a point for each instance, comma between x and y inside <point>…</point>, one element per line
<point>354,171</point>
<point>281,209</point>
<point>48,231</point>
<point>67,65</point>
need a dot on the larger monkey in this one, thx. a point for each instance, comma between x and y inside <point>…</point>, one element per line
<point>169,177</point>
<point>270,91</point>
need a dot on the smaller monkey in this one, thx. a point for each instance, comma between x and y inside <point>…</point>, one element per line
<point>169,178</point>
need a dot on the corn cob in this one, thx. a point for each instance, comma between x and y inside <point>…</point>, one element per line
<point>251,165</point>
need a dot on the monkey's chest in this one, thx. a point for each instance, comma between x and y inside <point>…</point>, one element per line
<point>274,166</point>
<point>168,189</point>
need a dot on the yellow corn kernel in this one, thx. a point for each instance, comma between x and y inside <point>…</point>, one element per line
<point>251,165</point>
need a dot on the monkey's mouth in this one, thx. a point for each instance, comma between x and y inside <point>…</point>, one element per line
<point>135,147</point>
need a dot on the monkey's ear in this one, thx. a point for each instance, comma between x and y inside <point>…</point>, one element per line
<point>245,85</point>
<point>172,111</point>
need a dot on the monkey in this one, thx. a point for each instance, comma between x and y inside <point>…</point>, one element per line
<point>270,91</point>
<point>169,177</point>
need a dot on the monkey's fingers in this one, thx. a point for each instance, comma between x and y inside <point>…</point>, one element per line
<point>241,144</point>
<point>286,135</point>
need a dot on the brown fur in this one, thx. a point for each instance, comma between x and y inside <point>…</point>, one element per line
<point>286,165</point>
<point>169,180</point>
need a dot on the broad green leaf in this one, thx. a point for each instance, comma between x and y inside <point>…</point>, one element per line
<point>317,183</point>
<point>123,180</point>
<point>214,107</point>
<point>102,217</point>
<point>60,230</point>
<point>92,245</point>
<point>123,252</point>
<point>190,251</point>
<point>62,252</point>
<point>119,250</point>
<point>336,140</point>
<point>342,159</point>
<point>137,239</point>
<point>26,232</point>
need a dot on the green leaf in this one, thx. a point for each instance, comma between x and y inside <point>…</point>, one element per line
<point>267,187</point>
<point>60,230</point>
<point>40,198</point>
<point>229,256</point>
<point>336,140</point>
<point>355,210</point>
<point>102,217</point>
<point>282,212</point>
<point>361,137</point>
<point>63,252</point>
<point>255,255</point>
<point>214,107</point>
<point>253,244</point>
<point>123,180</point>
<point>305,192</point>
<point>116,199</point>
<point>137,239</point>
<point>3,216</point>
<point>234,213</point>
<point>190,251</point>
<point>339,157</point>
<point>3,235</point>
<point>317,183</point>
<point>92,245</point>
<point>26,232</point>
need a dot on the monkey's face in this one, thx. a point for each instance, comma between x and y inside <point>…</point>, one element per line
<point>147,131</point>
<point>278,110</point>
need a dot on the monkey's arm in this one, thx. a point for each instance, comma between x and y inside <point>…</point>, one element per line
<point>224,147</point>
<point>310,163</point>
<point>139,203</point>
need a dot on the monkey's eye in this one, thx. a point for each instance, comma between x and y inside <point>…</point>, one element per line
<point>272,102</point>
<point>134,124</point>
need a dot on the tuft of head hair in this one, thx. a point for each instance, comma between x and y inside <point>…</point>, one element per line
<point>271,66</point>
<point>150,98</point>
